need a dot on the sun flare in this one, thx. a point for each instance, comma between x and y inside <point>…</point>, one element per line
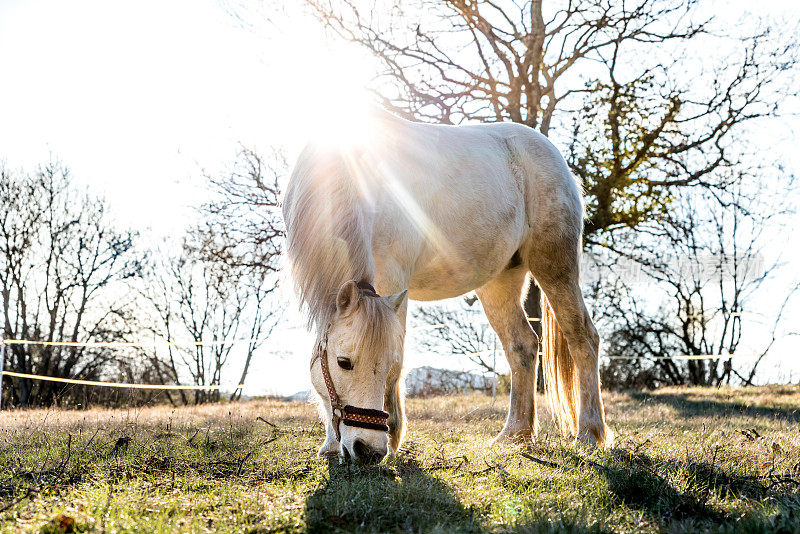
<point>341,116</point>
<point>325,92</point>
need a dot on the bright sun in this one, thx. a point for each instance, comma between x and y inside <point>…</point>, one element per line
<point>325,88</point>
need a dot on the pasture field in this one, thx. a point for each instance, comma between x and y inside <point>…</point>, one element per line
<point>721,460</point>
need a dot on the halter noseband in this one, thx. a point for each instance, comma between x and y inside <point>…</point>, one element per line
<point>350,415</point>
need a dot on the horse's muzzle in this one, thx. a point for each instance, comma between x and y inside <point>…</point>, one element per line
<point>365,454</point>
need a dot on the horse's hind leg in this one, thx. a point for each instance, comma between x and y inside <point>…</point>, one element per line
<point>556,271</point>
<point>501,299</point>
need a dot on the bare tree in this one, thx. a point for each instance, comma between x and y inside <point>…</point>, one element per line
<point>206,310</point>
<point>703,281</point>
<point>536,62</point>
<point>242,225</point>
<point>62,268</point>
<point>222,284</point>
<point>464,331</point>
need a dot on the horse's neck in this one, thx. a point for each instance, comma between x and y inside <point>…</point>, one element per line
<point>355,234</point>
<point>329,230</point>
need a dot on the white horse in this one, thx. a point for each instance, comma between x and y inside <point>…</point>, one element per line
<point>432,212</point>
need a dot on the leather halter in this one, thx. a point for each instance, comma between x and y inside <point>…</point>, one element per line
<point>347,414</point>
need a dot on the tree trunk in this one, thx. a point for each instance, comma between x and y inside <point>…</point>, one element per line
<point>533,309</point>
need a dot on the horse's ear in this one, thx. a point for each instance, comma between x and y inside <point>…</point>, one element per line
<point>396,300</point>
<point>347,299</point>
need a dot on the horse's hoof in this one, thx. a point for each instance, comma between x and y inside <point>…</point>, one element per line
<point>519,437</point>
<point>330,449</point>
<point>600,437</point>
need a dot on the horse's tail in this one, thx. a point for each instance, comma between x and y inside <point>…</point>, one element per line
<point>560,380</point>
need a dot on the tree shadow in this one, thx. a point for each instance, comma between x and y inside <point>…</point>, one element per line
<point>688,407</point>
<point>387,498</point>
<point>634,480</point>
<point>648,486</point>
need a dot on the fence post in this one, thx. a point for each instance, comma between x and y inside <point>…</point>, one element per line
<point>494,368</point>
<point>2,366</point>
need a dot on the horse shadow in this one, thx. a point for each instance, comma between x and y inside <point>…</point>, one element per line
<point>405,497</point>
<point>688,407</point>
<point>402,496</point>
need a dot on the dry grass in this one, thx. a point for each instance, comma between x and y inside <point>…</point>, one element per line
<point>687,459</point>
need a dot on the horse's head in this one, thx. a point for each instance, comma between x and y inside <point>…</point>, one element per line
<point>363,343</point>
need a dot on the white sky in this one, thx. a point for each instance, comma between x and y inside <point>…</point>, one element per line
<point>137,98</point>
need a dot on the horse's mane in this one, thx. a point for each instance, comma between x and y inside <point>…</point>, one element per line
<point>328,242</point>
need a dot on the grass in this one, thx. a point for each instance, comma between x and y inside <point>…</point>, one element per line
<point>722,460</point>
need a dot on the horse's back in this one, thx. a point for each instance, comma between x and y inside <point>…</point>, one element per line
<point>522,158</point>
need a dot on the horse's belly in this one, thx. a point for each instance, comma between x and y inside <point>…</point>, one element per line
<point>443,275</point>
<point>433,284</point>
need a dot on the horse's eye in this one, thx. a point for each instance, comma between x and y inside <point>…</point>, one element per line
<point>345,363</point>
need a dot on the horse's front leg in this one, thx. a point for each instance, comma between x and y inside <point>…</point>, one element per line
<point>390,276</point>
<point>331,448</point>
<point>394,404</point>
<point>501,299</point>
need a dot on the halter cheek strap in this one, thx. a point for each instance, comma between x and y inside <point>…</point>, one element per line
<point>347,414</point>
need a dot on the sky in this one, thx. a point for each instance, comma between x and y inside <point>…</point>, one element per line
<point>140,98</point>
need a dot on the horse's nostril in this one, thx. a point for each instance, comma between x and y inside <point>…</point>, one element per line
<point>360,449</point>
<point>367,454</point>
